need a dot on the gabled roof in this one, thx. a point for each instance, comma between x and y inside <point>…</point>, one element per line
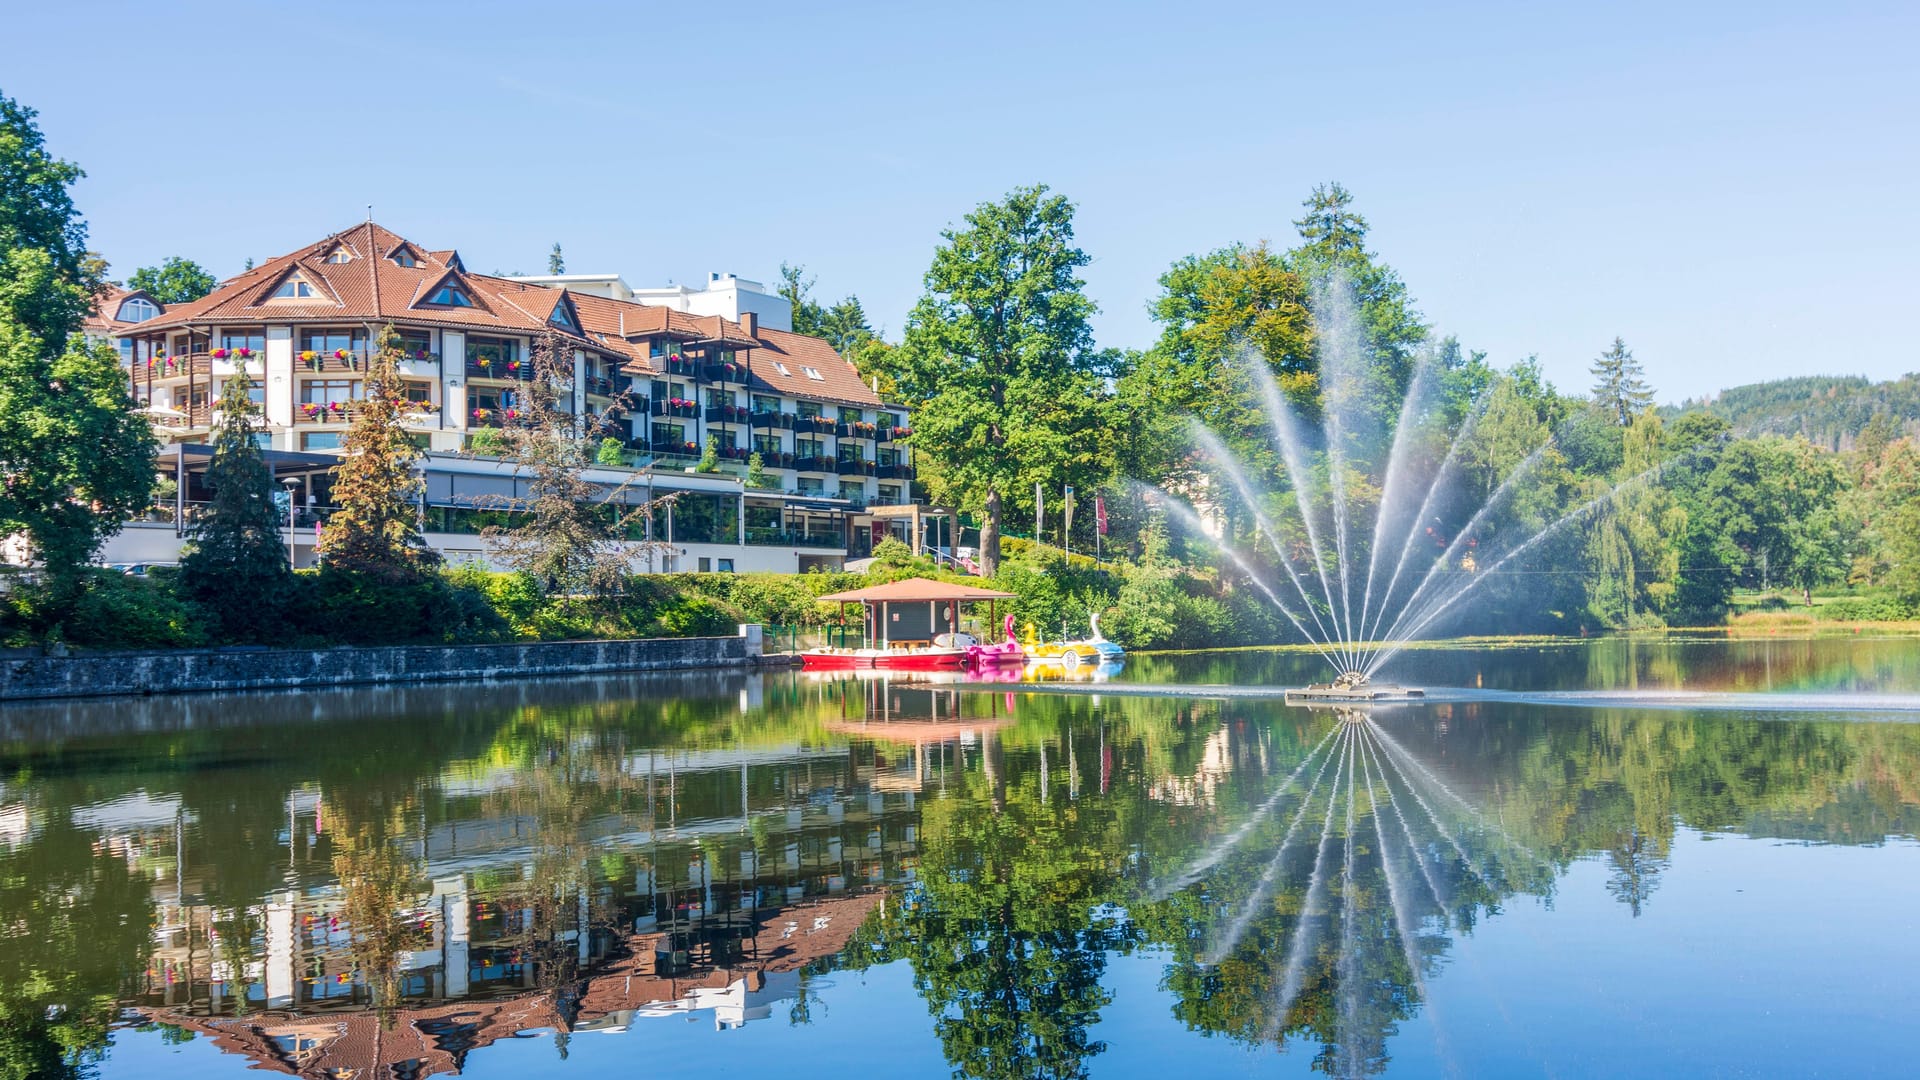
<point>104,319</point>
<point>839,381</point>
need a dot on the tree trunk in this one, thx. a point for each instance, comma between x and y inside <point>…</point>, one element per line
<point>990,535</point>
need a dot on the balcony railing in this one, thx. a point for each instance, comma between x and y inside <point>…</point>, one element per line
<point>780,420</point>
<point>776,537</point>
<point>675,448</point>
<point>814,463</point>
<point>500,369</point>
<point>723,373</point>
<point>602,387</point>
<point>314,412</point>
<point>818,424</point>
<point>895,471</point>
<point>329,361</point>
<point>680,365</point>
<point>775,459</point>
<point>681,407</point>
<point>856,467</point>
<point>194,416</point>
<point>727,414</point>
<point>199,365</point>
<point>857,429</point>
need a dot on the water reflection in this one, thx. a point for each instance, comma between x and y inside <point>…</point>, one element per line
<point>383,883</point>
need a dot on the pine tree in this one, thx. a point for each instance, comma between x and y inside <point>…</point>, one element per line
<point>556,262</point>
<point>568,530</point>
<point>377,526</point>
<point>236,567</point>
<point>1621,390</point>
<point>1329,225</point>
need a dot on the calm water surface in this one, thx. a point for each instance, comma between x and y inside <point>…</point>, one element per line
<point>689,876</point>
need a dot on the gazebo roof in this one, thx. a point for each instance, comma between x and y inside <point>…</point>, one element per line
<point>916,589</point>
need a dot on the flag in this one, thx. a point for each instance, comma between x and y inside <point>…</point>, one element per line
<point>1069,527</point>
<point>1100,514</point>
<point>1039,511</point>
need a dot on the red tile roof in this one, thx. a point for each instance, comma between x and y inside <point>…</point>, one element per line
<point>839,381</point>
<point>103,320</point>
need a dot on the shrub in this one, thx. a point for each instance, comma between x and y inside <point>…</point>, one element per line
<point>1874,608</point>
<point>337,605</point>
<point>116,610</point>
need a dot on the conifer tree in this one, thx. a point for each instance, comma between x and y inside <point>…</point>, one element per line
<point>377,526</point>
<point>237,567</point>
<point>1621,390</point>
<point>556,262</point>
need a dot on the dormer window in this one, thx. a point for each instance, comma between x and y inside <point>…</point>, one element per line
<point>563,318</point>
<point>450,296</point>
<point>137,309</point>
<point>294,288</point>
<point>814,374</point>
<point>403,257</point>
<point>339,255</point>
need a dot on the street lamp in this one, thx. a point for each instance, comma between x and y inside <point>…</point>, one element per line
<point>293,557</point>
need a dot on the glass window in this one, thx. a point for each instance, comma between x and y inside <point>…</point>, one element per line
<point>420,393</point>
<point>403,257</point>
<point>889,494</point>
<point>657,347</point>
<point>294,288</point>
<point>562,318</point>
<point>254,341</point>
<point>329,391</point>
<point>782,368</point>
<point>126,350</point>
<point>320,440</point>
<point>339,255</point>
<point>852,489</point>
<point>494,353</point>
<point>451,296</point>
<point>812,374</point>
<point>726,566</point>
<point>766,444</point>
<point>810,448</point>
<point>137,309</point>
<point>329,340</point>
<point>808,408</point>
<point>764,404</point>
<point>416,343</point>
<point>725,356</point>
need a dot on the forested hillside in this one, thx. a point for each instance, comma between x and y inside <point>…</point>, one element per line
<point>1831,411</point>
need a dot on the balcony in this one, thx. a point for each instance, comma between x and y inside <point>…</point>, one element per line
<point>329,361</point>
<point>674,448</point>
<point>188,418</point>
<point>818,424</point>
<point>856,467</point>
<point>156,368</point>
<point>772,420</point>
<point>682,407</point>
<point>681,366</point>
<point>727,414</point>
<point>775,459</point>
<point>889,434</point>
<point>857,429</point>
<point>602,387</point>
<point>815,463</point>
<point>318,412</point>
<point>723,373</point>
<point>775,537</point>
<point>895,471</point>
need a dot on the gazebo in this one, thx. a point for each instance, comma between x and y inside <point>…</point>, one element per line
<point>907,623</point>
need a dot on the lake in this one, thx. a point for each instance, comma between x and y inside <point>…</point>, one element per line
<point>1683,857</point>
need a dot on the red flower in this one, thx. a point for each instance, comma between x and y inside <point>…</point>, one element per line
<point>219,354</point>
<point>339,354</point>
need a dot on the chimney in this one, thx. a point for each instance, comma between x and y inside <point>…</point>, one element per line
<point>750,323</point>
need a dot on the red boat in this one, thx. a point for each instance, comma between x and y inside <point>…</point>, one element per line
<point>911,625</point>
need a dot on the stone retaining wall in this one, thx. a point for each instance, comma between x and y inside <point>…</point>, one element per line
<point>192,671</point>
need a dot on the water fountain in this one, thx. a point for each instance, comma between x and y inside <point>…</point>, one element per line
<point>1360,592</point>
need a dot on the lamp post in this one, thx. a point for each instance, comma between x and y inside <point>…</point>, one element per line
<point>293,557</point>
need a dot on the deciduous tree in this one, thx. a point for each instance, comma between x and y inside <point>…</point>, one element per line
<point>175,281</point>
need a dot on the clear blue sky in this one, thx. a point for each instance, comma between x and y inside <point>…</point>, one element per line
<point>1729,186</point>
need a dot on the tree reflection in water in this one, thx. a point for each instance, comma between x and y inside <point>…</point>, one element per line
<point>397,880</point>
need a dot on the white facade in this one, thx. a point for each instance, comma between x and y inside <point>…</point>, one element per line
<point>726,295</point>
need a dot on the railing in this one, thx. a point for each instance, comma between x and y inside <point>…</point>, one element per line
<point>815,423</point>
<point>814,464</point>
<point>726,414</point>
<point>855,467</point>
<point>772,420</point>
<point>336,412</point>
<point>775,459</point>
<point>330,361</point>
<point>173,367</point>
<point>723,373</point>
<point>858,429</point>
<point>500,369</point>
<point>193,416</point>
<point>602,387</point>
<point>680,365</point>
<point>681,407</point>
<point>896,471</point>
<point>676,449</point>
<point>776,537</point>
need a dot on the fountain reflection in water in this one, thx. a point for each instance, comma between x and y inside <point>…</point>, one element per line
<point>1340,942</point>
<point>1361,591</point>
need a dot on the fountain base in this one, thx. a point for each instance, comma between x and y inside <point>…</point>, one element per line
<point>1352,686</point>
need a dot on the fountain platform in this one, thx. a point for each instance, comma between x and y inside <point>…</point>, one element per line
<point>1350,687</point>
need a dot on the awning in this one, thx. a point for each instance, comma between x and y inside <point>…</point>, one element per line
<point>915,589</point>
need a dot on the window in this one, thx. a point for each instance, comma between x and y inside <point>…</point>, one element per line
<point>294,288</point>
<point>726,566</point>
<point>719,397</point>
<point>808,408</point>
<point>766,444</point>
<point>417,392</point>
<point>416,343</point>
<point>892,420</point>
<point>764,404</point>
<point>706,565</point>
<point>493,353</point>
<point>320,440</point>
<point>725,356</point>
<point>810,485</point>
<point>657,347</point>
<point>852,489</point>
<point>564,318</point>
<point>813,374</point>
<point>889,495</point>
<point>330,340</point>
<point>136,309</point>
<point>810,448</point>
<point>329,391</point>
<point>126,350</point>
<point>782,368</point>
<point>339,255</point>
<point>254,341</point>
<point>403,256</point>
<point>451,296</point>
<point>670,433</point>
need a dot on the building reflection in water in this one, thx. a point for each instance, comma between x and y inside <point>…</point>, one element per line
<point>577,885</point>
